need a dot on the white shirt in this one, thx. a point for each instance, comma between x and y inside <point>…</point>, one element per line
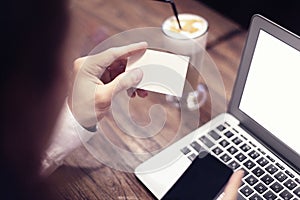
<point>68,135</point>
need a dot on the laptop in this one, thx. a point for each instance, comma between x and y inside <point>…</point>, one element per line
<point>260,131</point>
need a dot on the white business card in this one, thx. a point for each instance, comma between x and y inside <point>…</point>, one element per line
<point>162,72</point>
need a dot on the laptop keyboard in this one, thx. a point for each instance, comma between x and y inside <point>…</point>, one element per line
<point>266,177</point>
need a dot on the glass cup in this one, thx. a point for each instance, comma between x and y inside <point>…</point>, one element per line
<point>189,41</point>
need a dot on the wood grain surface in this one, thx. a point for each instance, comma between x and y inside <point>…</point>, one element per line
<point>86,176</point>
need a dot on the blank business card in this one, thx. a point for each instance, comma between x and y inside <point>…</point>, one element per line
<point>163,72</point>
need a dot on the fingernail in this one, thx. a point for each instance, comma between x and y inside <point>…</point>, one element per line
<point>144,43</point>
<point>137,75</point>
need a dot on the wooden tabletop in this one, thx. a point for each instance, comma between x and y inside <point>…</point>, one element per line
<point>83,176</point>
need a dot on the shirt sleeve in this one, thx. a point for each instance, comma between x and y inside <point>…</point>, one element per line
<point>67,136</point>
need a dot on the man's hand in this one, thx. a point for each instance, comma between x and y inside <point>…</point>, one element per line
<point>98,77</point>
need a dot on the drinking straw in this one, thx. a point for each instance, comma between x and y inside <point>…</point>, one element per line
<point>174,10</point>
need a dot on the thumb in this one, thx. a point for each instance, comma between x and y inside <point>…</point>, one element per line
<point>231,190</point>
<point>96,64</point>
<point>125,80</point>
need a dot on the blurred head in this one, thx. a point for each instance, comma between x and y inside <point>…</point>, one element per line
<point>33,87</point>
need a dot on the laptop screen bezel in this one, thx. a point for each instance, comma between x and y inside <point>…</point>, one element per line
<point>259,23</point>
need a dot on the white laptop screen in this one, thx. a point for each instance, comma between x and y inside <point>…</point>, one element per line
<point>270,96</point>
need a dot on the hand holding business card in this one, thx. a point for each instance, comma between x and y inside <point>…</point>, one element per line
<point>163,72</point>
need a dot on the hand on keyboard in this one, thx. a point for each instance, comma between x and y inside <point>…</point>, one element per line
<point>231,189</point>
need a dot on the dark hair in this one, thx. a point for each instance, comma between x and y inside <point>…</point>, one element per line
<point>32,37</point>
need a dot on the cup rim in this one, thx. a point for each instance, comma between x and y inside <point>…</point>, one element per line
<point>184,35</point>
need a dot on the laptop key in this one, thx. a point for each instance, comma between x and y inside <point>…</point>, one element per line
<point>280,176</point>
<point>270,158</point>
<point>260,188</point>
<point>276,187</point>
<point>253,154</point>
<point>286,195</point>
<point>234,165</point>
<point>235,130</point>
<point>289,173</point>
<point>297,192</point>
<point>258,171</point>
<point>192,156</point>
<point>241,157</point>
<point>249,164</point>
<point>245,147</point>
<point>225,158</point>
<point>232,150</point>
<point>214,135</point>
<point>237,141</point>
<point>262,161</point>
<point>246,172</point>
<point>224,143</point>
<point>267,179</point>
<point>261,151</point>
<point>227,124</point>
<point>271,169</point>
<point>221,128</point>
<point>185,150</point>
<point>251,180</point>
<point>280,166</point>
<point>255,197</point>
<point>228,134</point>
<point>243,183</point>
<point>247,191</point>
<point>206,141</point>
<point>196,146</point>
<point>252,144</point>
<point>290,184</point>
<point>270,195</point>
<point>244,137</point>
<point>217,150</point>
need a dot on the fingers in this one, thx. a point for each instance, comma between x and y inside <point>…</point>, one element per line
<point>117,67</point>
<point>126,80</point>
<point>132,92</point>
<point>231,190</point>
<point>141,93</point>
<point>111,72</point>
<point>89,69</point>
<point>99,62</point>
<point>136,49</point>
